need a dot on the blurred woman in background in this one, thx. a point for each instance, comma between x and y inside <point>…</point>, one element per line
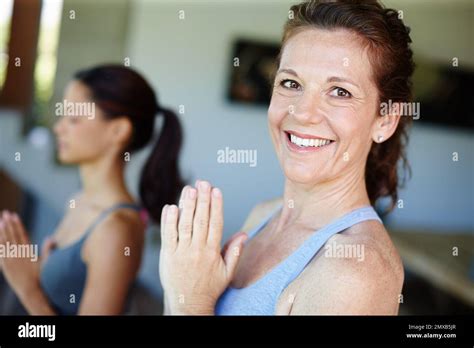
<point>92,259</point>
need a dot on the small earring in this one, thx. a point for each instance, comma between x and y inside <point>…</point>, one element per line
<point>379,139</point>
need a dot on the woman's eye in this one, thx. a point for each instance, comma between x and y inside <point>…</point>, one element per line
<point>290,84</point>
<point>340,92</point>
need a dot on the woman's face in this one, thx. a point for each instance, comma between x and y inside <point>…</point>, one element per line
<point>323,107</point>
<point>83,136</point>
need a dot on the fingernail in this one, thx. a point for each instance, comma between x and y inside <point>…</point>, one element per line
<point>15,217</point>
<point>204,185</point>
<point>196,184</point>
<point>192,193</point>
<point>216,192</point>
<point>173,209</point>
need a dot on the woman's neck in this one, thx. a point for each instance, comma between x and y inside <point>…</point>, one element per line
<point>316,206</point>
<point>103,181</point>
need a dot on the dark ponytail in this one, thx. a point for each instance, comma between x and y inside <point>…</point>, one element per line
<point>121,91</point>
<point>161,181</point>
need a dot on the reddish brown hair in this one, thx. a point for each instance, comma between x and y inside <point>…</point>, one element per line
<point>390,55</point>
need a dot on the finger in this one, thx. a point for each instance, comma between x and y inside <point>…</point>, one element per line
<point>232,255</point>
<point>3,238</point>
<point>169,228</point>
<point>185,225</point>
<point>19,229</point>
<point>216,222</point>
<point>201,217</point>
<point>182,196</point>
<point>163,216</point>
<point>9,232</point>
<point>226,246</point>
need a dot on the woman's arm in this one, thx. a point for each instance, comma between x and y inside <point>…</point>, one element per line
<point>36,302</point>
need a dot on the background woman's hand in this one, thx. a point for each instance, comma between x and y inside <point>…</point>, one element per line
<point>193,271</point>
<point>21,272</point>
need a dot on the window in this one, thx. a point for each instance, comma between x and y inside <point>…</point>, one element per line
<point>5,19</point>
<point>46,60</point>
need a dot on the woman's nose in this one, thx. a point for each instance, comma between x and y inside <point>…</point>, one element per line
<point>308,108</point>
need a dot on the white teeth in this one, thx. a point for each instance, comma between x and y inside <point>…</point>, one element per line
<point>305,142</point>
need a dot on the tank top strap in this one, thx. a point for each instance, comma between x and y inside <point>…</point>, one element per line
<point>103,215</point>
<point>299,259</point>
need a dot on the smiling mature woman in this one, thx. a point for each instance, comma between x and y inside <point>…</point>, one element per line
<point>338,62</point>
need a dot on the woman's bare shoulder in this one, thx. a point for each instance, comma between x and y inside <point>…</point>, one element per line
<point>356,272</point>
<point>259,212</point>
<point>121,229</point>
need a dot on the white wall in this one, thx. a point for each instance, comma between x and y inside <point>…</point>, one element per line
<point>440,195</point>
<point>188,62</point>
<point>440,29</point>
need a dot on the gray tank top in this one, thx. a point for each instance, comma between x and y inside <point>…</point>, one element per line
<point>261,297</point>
<point>63,275</point>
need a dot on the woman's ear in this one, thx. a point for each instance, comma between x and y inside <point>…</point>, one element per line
<point>122,129</point>
<point>385,125</point>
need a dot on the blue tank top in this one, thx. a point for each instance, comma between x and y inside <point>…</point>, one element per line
<point>63,275</point>
<point>261,297</point>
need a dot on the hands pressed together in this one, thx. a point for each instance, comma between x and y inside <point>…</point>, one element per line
<point>20,271</point>
<point>194,271</point>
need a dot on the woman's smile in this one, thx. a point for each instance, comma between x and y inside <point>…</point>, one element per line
<point>305,143</point>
